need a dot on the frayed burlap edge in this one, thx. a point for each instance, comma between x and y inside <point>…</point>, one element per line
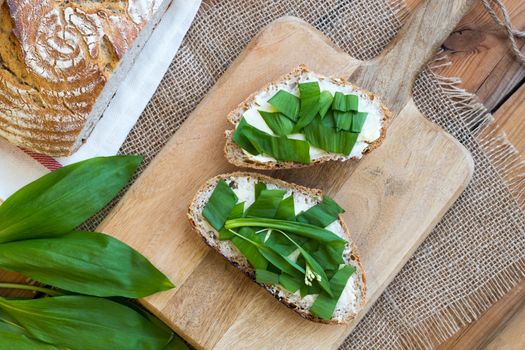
<point>399,9</point>
<point>442,325</point>
<point>508,163</point>
<point>503,155</point>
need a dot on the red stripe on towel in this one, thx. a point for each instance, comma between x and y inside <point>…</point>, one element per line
<point>47,161</point>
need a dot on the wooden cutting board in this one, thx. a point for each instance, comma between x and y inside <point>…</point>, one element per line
<point>394,197</point>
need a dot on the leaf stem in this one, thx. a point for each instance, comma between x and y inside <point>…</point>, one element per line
<point>47,291</point>
<point>299,228</point>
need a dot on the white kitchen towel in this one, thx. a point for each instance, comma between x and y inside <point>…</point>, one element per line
<point>19,167</point>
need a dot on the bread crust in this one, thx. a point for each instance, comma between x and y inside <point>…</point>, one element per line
<point>60,64</point>
<point>195,215</point>
<point>236,156</point>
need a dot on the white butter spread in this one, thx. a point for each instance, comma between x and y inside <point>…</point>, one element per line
<point>371,129</point>
<point>244,189</point>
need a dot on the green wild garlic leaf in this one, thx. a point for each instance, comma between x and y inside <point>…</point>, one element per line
<point>286,209</point>
<point>220,204</point>
<point>16,341</point>
<point>329,257</point>
<point>248,249</point>
<point>358,121</point>
<point>82,322</point>
<point>311,245</point>
<point>225,235</point>
<point>324,305</point>
<point>280,244</point>
<point>272,268</point>
<point>281,262</point>
<point>286,103</point>
<point>328,121</point>
<point>322,214</point>
<point>259,186</point>
<point>278,147</point>
<point>343,120</point>
<point>314,288</point>
<point>304,290</point>
<point>301,229</point>
<point>237,212</point>
<point>14,336</point>
<point>290,283</point>
<point>85,262</point>
<point>309,94</point>
<point>325,102</point>
<point>314,271</point>
<point>242,140</point>
<point>266,204</point>
<point>329,139</point>
<point>345,103</point>
<point>60,201</point>
<point>278,123</point>
<point>266,277</point>
<point>176,343</point>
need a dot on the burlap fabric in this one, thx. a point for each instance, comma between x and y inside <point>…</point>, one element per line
<point>474,255</point>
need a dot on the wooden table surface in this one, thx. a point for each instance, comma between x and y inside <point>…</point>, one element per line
<point>481,58</point>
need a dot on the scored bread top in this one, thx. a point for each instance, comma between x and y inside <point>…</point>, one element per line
<point>55,59</point>
<point>237,156</point>
<point>353,297</point>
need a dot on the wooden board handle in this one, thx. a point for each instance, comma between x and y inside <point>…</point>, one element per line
<point>392,74</point>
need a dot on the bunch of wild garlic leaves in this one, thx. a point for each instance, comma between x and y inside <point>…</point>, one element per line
<point>88,276</point>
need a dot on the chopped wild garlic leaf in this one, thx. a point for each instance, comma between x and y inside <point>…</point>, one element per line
<point>259,186</point>
<point>322,214</point>
<point>290,283</point>
<point>358,121</point>
<point>329,139</point>
<point>286,209</point>
<point>345,103</point>
<point>278,123</point>
<point>324,305</point>
<point>266,204</point>
<point>220,204</point>
<point>279,147</point>
<point>309,95</point>
<point>243,241</point>
<point>266,277</point>
<point>286,103</point>
<point>325,101</point>
<point>343,120</point>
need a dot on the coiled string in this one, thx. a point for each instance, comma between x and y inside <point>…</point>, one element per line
<point>513,34</point>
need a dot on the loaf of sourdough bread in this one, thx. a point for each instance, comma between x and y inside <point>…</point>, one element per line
<point>62,61</point>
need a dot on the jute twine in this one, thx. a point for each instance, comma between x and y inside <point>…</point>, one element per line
<point>474,256</point>
<point>512,33</point>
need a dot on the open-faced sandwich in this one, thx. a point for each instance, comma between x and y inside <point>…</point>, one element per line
<point>302,119</point>
<point>288,238</point>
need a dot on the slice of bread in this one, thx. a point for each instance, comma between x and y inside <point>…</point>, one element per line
<point>353,298</point>
<point>237,156</point>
